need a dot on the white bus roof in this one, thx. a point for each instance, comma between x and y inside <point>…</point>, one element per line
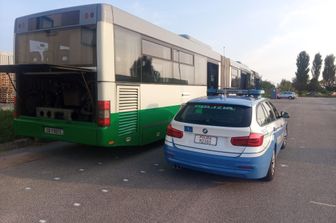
<point>240,66</point>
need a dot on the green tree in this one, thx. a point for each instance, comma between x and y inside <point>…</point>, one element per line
<point>302,63</point>
<point>317,65</point>
<point>285,85</point>
<point>329,71</point>
<point>314,84</point>
<point>267,86</point>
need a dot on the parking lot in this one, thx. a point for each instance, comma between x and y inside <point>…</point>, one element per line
<point>63,182</point>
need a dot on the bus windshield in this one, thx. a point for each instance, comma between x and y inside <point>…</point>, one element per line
<point>71,46</point>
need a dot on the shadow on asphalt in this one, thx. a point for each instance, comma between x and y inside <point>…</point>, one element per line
<point>136,167</point>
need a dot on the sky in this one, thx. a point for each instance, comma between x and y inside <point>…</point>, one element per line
<point>266,35</point>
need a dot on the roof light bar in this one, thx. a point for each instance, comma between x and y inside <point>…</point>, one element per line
<point>241,92</point>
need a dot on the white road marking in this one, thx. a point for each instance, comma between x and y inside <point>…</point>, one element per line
<point>156,164</point>
<point>323,204</point>
<point>27,188</point>
<point>42,221</point>
<point>142,171</point>
<point>57,178</point>
<point>76,204</point>
<point>81,170</point>
<point>125,179</point>
<point>283,165</point>
<point>104,190</point>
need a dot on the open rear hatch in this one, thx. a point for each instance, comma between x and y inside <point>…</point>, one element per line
<point>54,92</point>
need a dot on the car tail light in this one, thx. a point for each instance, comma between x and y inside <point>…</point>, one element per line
<point>174,132</point>
<point>104,113</point>
<point>253,140</point>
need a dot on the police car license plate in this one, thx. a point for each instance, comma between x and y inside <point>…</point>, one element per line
<point>207,140</point>
<point>53,131</point>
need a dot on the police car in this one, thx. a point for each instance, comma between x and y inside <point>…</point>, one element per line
<point>233,135</point>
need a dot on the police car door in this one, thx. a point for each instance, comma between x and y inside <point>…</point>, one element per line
<point>274,126</point>
<point>280,124</point>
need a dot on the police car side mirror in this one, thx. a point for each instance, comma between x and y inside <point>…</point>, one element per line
<point>284,114</point>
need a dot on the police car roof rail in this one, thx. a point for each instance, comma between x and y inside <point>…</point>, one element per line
<point>256,93</point>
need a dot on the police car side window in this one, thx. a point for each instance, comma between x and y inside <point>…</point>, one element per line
<point>270,116</point>
<point>277,115</point>
<point>261,117</point>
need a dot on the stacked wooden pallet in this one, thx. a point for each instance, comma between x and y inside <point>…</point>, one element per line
<point>7,92</point>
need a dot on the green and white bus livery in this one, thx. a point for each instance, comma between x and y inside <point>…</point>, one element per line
<point>97,75</point>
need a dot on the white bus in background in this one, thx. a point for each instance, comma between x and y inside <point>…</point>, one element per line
<point>97,75</point>
<point>238,75</point>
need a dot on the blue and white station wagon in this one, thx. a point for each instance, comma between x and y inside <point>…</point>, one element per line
<point>238,136</point>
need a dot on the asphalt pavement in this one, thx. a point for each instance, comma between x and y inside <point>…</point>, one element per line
<point>63,182</point>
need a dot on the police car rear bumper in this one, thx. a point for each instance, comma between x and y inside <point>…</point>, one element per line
<point>242,167</point>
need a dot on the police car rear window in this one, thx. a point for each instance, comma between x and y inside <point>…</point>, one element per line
<point>215,115</point>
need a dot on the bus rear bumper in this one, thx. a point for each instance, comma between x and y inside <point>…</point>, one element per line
<point>58,130</point>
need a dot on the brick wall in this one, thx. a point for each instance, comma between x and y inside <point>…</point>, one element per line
<point>7,92</point>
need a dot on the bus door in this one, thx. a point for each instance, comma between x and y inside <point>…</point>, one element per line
<point>212,78</point>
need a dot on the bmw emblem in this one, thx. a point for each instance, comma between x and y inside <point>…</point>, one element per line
<point>205,131</point>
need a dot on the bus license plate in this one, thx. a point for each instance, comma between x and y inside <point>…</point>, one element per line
<point>54,131</point>
<point>207,140</point>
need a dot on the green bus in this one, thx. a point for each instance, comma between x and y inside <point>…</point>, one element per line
<point>97,75</point>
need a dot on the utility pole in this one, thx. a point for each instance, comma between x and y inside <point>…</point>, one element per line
<point>223,74</point>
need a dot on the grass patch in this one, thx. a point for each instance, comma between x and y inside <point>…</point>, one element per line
<point>6,126</point>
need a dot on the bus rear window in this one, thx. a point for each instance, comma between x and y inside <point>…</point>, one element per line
<point>53,21</point>
<point>65,46</point>
<point>216,115</point>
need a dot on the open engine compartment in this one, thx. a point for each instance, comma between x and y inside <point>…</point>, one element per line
<point>62,94</point>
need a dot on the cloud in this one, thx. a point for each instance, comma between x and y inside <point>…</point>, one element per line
<point>310,28</point>
<point>150,14</point>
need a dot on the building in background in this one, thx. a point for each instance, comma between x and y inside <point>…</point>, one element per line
<point>7,92</point>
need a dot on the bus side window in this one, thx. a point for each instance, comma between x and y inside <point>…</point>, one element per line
<point>127,55</point>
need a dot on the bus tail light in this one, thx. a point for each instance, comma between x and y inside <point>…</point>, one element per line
<point>253,140</point>
<point>104,113</point>
<point>174,132</point>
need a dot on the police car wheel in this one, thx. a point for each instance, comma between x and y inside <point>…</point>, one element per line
<point>271,169</point>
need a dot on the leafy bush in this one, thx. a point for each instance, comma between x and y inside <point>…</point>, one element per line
<point>6,126</point>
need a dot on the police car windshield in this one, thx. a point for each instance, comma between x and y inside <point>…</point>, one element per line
<point>216,115</point>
